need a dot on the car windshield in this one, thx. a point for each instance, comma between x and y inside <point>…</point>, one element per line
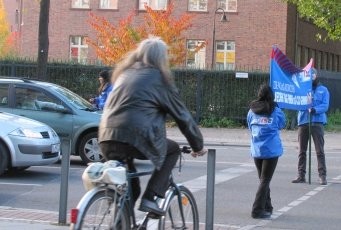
<point>73,98</point>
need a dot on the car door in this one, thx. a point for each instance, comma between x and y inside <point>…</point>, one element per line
<point>46,108</point>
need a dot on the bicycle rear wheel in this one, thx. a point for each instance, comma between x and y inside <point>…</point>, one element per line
<point>173,219</point>
<point>103,211</point>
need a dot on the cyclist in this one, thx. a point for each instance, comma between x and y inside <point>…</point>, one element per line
<point>133,121</point>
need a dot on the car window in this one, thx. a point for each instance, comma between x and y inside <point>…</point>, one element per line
<point>3,95</point>
<point>31,99</point>
<point>74,98</point>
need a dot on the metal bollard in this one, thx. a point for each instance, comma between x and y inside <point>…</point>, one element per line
<point>65,166</point>
<point>211,156</point>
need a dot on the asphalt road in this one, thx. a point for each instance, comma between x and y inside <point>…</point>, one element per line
<point>296,206</point>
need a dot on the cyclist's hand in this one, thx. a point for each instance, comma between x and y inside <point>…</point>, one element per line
<point>199,153</point>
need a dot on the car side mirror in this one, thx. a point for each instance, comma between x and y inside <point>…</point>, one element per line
<point>62,109</point>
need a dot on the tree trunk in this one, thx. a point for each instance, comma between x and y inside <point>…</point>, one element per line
<point>43,39</point>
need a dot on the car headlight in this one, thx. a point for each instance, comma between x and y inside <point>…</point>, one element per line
<point>26,133</point>
<point>54,134</point>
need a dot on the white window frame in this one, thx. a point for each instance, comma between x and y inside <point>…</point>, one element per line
<point>81,47</point>
<point>80,4</point>
<point>108,4</point>
<point>154,4</point>
<point>197,5</point>
<point>228,49</point>
<point>199,57</point>
<point>228,5</point>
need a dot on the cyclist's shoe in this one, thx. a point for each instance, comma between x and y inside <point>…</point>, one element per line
<point>323,180</point>
<point>299,179</point>
<point>150,206</point>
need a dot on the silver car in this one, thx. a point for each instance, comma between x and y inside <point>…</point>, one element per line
<point>74,119</point>
<point>25,142</point>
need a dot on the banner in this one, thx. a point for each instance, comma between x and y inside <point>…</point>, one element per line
<point>290,84</point>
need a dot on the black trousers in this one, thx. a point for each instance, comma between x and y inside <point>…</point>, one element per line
<point>265,169</point>
<point>317,133</point>
<point>159,180</point>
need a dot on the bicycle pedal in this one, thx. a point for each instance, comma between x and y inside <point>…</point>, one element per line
<point>153,215</point>
<point>141,227</point>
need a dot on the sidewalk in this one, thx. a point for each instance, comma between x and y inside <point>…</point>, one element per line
<point>12,218</point>
<point>241,137</point>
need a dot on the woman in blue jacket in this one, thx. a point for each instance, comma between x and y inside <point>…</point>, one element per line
<point>265,120</point>
<point>103,90</point>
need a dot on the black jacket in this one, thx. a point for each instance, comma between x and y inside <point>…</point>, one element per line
<point>136,110</point>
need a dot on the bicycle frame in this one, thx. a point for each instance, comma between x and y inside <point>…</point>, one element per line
<point>127,196</point>
<point>173,188</point>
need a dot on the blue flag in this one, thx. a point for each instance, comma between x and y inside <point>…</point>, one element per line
<point>290,84</point>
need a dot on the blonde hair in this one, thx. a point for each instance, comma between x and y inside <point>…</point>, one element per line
<point>150,52</point>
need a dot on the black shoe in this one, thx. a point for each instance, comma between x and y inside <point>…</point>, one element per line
<point>261,215</point>
<point>298,180</point>
<point>151,206</point>
<point>269,210</point>
<point>323,180</point>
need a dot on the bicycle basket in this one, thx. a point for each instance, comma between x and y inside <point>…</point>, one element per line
<point>110,172</point>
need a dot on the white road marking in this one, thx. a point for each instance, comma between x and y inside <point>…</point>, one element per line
<point>21,184</point>
<point>221,176</point>
<point>291,205</point>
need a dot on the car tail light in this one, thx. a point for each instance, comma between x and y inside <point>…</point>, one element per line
<point>73,216</point>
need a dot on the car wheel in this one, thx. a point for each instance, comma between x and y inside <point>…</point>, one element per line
<point>3,158</point>
<point>89,149</point>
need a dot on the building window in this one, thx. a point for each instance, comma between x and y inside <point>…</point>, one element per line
<point>337,62</point>
<point>330,62</point>
<point>195,59</point>
<point>154,4</point>
<point>84,4</point>
<point>318,62</point>
<point>305,56</point>
<point>78,49</point>
<point>108,4</point>
<point>228,5</point>
<point>298,56</point>
<point>325,61</point>
<point>197,5</point>
<point>225,55</point>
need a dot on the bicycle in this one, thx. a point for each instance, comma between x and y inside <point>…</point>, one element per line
<point>110,206</point>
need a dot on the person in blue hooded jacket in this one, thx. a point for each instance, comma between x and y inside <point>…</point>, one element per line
<point>105,87</point>
<point>317,113</point>
<point>265,120</point>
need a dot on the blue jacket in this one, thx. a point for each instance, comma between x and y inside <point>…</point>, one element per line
<point>265,133</point>
<point>320,103</point>
<point>100,100</point>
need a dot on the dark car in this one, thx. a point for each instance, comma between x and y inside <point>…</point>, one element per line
<point>73,118</point>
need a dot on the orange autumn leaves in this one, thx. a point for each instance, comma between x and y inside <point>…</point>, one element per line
<point>7,39</point>
<point>114,41</point>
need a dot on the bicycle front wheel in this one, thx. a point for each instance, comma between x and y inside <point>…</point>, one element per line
<point>174,218</point>
<point>104,211</point>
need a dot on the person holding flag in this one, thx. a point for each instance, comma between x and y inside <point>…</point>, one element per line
<point>316,117</point>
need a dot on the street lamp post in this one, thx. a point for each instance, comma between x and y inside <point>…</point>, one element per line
<point>223,19</point>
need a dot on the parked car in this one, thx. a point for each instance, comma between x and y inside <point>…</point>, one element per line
<point>73,118</point>
<point>25,142</point>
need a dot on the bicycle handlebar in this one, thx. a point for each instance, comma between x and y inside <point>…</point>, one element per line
<point>186,149</point>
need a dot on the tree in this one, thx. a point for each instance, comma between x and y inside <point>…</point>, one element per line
<point>6,44</point>
<point>325,14</point>
<point>114,41</point>
<point>43,39</point>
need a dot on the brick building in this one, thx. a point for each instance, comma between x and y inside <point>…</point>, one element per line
<point>244,41</point>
